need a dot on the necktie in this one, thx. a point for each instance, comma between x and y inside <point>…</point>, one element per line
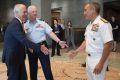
<point>23,28</point>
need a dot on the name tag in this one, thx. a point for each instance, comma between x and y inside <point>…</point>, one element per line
<point>39,26</point>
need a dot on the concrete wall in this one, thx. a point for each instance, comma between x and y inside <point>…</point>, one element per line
<point>37,3</point>
<point>73,10</point>
<point>46,10</point>
<point>3,11</point>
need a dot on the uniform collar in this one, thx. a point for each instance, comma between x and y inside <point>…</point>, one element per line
<point>32,22</point>
<point>96,20</point>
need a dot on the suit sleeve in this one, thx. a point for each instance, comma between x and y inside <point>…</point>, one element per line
<point>20,36</point>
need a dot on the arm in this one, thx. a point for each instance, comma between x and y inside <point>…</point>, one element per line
<point>82,47</point>
<point>20,36</point>
<point>79,49</point>
<point>106,52</point>
<point>54,37</point>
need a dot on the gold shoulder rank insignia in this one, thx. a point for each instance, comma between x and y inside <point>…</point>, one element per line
<point>105,21</point>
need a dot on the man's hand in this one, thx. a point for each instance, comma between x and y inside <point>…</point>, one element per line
<point>72,54</point>
<point>62,44</point>
<point>31,50</point>
<point>98,68</point>
<point>44,49</point>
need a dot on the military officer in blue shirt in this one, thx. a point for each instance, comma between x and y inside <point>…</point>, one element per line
<point>36,31</point>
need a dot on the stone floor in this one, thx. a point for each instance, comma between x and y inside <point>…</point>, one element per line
<point>65,70</point>
<point>70,69</point>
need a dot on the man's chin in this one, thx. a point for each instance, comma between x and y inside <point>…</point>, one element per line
<point>24,20</point>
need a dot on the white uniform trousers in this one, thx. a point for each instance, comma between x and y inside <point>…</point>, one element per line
<point>91,61</point>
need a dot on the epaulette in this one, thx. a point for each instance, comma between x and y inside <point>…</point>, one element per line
<point>105,21</point>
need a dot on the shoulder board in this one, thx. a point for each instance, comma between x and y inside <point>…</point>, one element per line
<point>105,21</point>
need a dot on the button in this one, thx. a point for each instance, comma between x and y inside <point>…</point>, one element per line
<point>89,54</point>
<point>94,39</point>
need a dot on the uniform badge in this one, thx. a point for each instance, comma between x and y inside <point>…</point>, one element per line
<point>26,30</point>
<point>39,26</point>
<point>95,27</point>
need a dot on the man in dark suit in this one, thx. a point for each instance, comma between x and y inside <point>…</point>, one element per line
<point>15,42</point>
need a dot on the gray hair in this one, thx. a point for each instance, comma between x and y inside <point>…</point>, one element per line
<point>95,5</point>
<point>31,7</point>
<point>17,9</point>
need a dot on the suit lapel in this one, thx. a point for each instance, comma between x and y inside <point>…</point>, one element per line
<point>21,25</point>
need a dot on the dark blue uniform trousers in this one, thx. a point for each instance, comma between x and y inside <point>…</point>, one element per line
<point>45,63</point>
<point>16,72</point>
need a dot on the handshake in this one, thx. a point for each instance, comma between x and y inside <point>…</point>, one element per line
<point>45,50</point>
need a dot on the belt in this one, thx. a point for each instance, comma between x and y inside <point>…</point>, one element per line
<point>43,42</point>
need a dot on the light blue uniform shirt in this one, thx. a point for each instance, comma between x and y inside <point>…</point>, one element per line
<point>36,31</point>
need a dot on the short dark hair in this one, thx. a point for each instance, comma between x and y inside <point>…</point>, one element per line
<point>53,20</point>
<point>96,5</point>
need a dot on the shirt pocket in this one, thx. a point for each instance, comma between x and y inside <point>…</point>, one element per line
<point>39,30</point>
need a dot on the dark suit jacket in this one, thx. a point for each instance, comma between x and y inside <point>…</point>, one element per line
<point>15,42</point>
<point>60,34</point>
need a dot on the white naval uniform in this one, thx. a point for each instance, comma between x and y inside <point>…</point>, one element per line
<point>36,31</point>
<point>96,35</point>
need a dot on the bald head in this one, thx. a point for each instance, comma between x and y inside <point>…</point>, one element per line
<point>20,11</point>
<point>32,12</point>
